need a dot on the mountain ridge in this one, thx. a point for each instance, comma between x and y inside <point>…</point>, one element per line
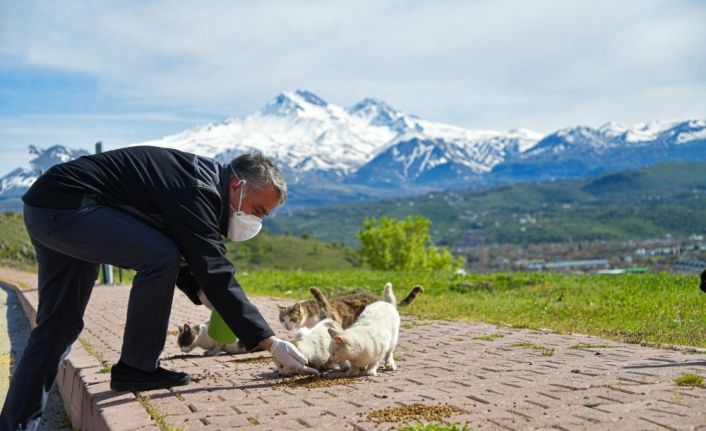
<point>371,150</point>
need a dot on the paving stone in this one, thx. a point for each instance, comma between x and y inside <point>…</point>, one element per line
<point>499,385</point>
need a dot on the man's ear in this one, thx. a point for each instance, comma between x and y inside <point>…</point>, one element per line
<point>235,183</point>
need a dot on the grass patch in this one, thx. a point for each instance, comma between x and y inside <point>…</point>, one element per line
<point>88,347</point>
<point>545,350</point>
<point>693,380</point>
<point>489,337</point>
<point>590,346</point>
<point>157,416</point>
<point>413,323</point>
<point>607,306</point>
<point>435,427</point>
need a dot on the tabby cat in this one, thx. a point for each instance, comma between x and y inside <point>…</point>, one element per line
<point>344,310</point>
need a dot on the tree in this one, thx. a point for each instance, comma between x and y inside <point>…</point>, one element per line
<point>391,244</point>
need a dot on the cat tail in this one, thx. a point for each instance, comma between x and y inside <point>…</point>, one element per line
<point>322,302</point>
<point>388,295</point>
<point>416,290</point>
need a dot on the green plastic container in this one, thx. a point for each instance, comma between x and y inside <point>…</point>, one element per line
<point>218,329</point>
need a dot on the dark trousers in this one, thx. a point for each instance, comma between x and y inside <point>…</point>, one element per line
<point>68,244</point>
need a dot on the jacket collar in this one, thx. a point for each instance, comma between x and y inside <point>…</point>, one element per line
<point>224,175</point>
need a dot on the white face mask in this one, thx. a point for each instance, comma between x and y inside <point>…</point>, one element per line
<point>241,226</point>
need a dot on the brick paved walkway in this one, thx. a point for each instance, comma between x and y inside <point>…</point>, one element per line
<point>505,379</point>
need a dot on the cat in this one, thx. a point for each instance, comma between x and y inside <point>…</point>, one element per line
<point>370,340</point>
<point>314,342</point>
<point>345,310</point>
<point>197,336</point>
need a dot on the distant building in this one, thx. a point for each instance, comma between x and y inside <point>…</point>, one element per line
<point>568,265</point>
<point>470,238</point>
<point>687,265</point>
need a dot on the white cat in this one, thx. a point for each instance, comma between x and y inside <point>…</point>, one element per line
<point>197,336</point>
<point>371,339</point>
<point>314,342</point>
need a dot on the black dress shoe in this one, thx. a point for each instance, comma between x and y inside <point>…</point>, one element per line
<point>126,378</point>
<point>703,281</point>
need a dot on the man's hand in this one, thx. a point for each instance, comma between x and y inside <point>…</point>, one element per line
<point>288,356</point>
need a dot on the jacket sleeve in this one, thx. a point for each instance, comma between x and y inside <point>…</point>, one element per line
<point>187,283</point>
<point>192,221</point>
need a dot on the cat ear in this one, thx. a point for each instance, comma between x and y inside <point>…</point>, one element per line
<point>297,306</point>
<point>187,327</point>
<point>334,333</point>
<point>281,307</point>
<point>180,328</point>
<point>339,339</point>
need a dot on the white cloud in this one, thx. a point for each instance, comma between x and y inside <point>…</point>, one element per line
<point>541,64</point>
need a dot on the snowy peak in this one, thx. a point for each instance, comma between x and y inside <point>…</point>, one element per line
<point>298,103</point>
<point>18,181</point>
<point>46,158</point>
<point>378,113</point>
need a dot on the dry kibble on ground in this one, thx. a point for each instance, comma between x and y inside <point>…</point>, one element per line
<point>318,382</point>
<point>255,360</point>
<point>414,412</point>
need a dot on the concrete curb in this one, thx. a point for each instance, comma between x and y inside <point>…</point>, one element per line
<point>86,402</point>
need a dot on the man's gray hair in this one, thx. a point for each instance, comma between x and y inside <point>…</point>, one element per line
<point>259,171</point>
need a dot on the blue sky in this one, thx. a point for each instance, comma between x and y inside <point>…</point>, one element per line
<point>74,72</point>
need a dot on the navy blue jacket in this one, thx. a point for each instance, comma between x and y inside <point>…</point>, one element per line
<point>184,196</point>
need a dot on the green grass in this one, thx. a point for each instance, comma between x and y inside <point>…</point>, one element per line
<point>693,380</point>
<point>589,346</point>
<point>155,413</point>
<point>654,309</point>
<point>16,250</point>
<point>289,252</point>
<point>489,337</point>
<point>435,427</point>
<point>545,350</point>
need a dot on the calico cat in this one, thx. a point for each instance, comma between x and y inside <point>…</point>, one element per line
<point>314,342</point>
<point>197,336</point>
<point>344,310</point>
<point>371,339</point>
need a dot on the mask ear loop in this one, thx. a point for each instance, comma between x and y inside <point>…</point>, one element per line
<point>242,188</point>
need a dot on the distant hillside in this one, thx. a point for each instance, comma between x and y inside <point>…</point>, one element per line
<point>16,250</point>
<point>265,251</point>
<point>666,198</point>
<point>287,252</point>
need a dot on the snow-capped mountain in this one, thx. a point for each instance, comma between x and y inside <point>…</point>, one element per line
<point>330,153</point>
<point>312,138</point>
<point>583,151</point>
<point>299,130</point>
<point>18,181</point>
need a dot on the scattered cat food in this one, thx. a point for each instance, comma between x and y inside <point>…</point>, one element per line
<point>253,360</point>
<point>414,412</point>
<point>310,382</point>
<point>206,375</point>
